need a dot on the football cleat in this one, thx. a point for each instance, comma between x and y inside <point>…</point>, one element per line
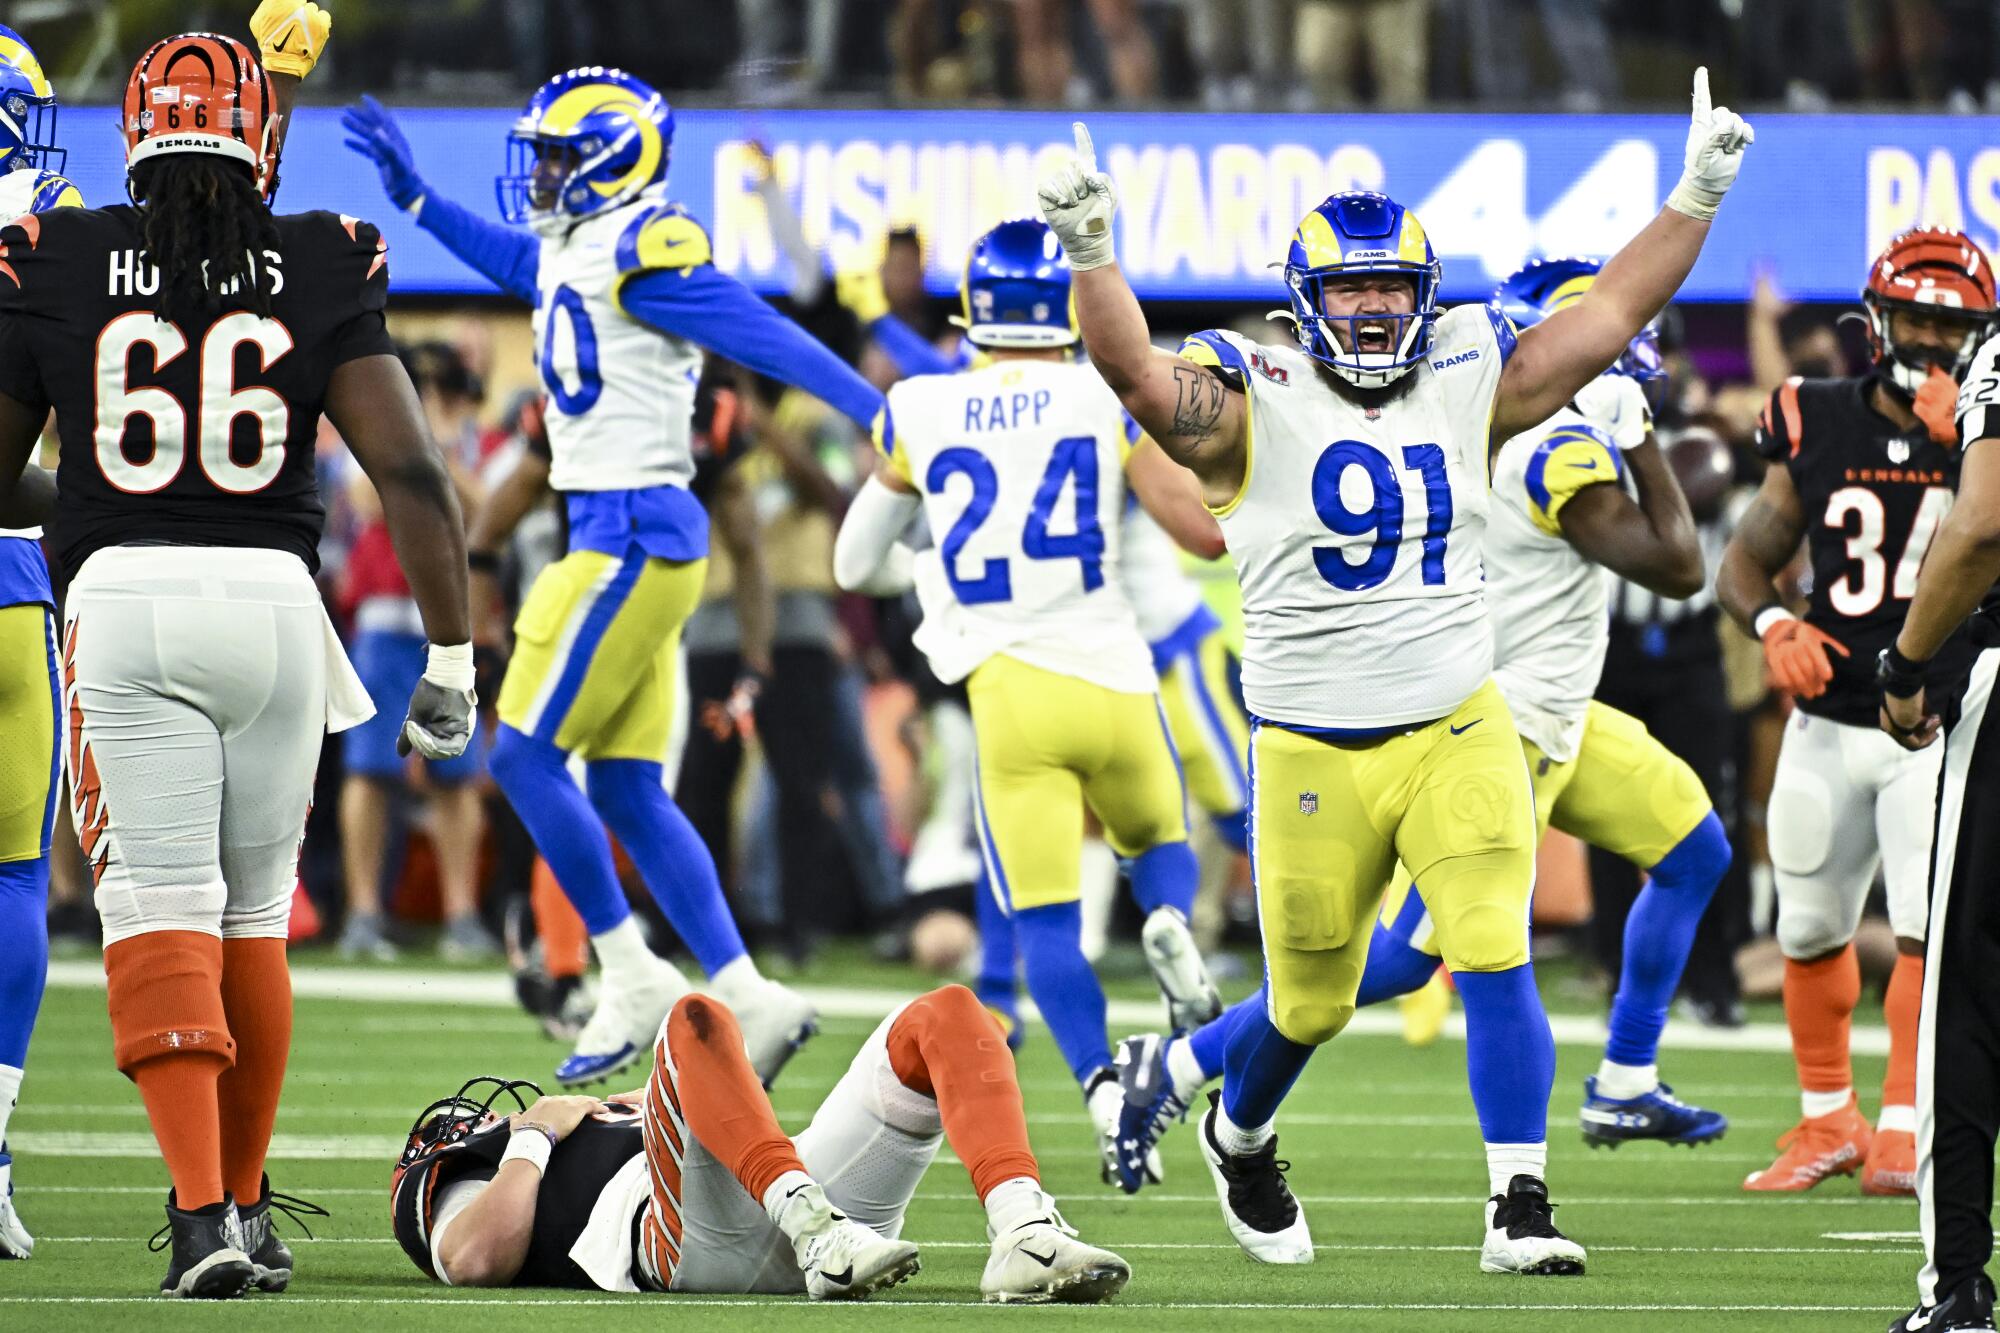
<point>1968,1309</point>
<point>1815,1148</point>
<point>1610,1121</point>
<point>1105,1100</point>
<point>843,1260</point>
<point>1151,1106</point>
<point>269,1255</point>
<point>1891,1170</point>
<point>1425,1009</point>
<point>1042,1261</point>
<point>774,1027</point>
<point>1521,1235</point>
<point>206,1259</point>
<point>1191,996</point>
<point>15,1242</point>
<point>1256,1202</point>
<point>623,1026</point>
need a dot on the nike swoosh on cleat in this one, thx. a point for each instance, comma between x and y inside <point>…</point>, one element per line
<point>1460,731</point>
<point>842,1278</point>
<point>1045,1261</point>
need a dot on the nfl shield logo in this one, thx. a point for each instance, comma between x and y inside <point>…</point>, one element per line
<point>1899,451</point>
<point>1308,802</point>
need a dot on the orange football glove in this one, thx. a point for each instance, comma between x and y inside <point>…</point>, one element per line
<point>1795,658</point>
<point>1936,397</point>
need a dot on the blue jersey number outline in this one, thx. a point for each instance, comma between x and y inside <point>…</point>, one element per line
<point>1384,514</point>
<point>590,383</point>
<point>1073,456</point>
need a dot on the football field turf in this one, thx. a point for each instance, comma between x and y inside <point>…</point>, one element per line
<point>1385,1152</point>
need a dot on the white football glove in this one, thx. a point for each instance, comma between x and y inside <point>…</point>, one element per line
<point>1717,137</point>
<point>1078,201</point>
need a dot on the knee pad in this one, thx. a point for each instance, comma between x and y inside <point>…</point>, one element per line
<point>1484,937</point>
<point>1799,825</point>
<point>1811,922</point>
<point>1309,1020</point>
<point>165,997</point>
<point>269,920</point>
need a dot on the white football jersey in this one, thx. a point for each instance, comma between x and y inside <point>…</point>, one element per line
<point>1549,603</point>
<point>1021,466</point>
<point>1358,529</point>
<point>1149,565</point>
<point>621,392</point>
<point>34,191</point>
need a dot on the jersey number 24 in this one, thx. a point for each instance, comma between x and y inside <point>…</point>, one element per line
<point>1074,457</point>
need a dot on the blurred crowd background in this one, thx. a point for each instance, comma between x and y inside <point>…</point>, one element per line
<point>1578,55</point>
<point>838,802</point>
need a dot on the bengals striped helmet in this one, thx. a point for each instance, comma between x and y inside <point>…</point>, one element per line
<point>1939,276</point>
<point>201,92</point>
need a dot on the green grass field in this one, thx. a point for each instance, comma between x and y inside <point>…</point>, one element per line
<point>1385,1153</point>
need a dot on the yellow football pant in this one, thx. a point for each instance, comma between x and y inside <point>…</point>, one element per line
<point>1209,730</point>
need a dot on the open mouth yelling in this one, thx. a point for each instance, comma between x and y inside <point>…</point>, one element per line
<point>1372,336</point>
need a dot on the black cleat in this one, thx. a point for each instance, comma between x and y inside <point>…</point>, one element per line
<point>207,1259</point>
<point>270,1256</point>
<point>1257,1204</point>
<point>1521,1235</point>
<point>1968,1309</point>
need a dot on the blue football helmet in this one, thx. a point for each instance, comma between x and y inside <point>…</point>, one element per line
<point>1543,286</point>
<point>1360,232</point>
<point>1016,290</point>
<point>588,141</point>
<point>27,109</point>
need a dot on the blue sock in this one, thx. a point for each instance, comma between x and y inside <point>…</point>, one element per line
<point>1395,966</point>
<point>1165,876</point>
<point>995,983</point>
<point>567,832</point>
<point>1234,829</point>
<point>1659,931</point>
<point>671,857</point>
<point>1064,987</point>
<point>1260,1064</point>
<point>1210,1042</point>
<point>24,925</point>
<point>1510,1055</point>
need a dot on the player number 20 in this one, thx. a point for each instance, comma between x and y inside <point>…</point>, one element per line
<point>1382,515</point>
<point>221,403</point>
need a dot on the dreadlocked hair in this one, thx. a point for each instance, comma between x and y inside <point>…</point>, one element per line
<point>205,230</point>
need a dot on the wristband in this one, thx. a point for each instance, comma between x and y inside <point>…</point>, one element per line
<point>449,666</point>
<point>1695,201</point>
<point>1899,677</point>
<point>483,562</point>
<point>1768,615</point>
<point>531,1141</point>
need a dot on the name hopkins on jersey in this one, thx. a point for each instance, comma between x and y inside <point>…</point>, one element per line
<point>131,275</point>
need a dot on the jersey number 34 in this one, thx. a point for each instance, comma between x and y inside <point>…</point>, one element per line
<point>1074,457</point>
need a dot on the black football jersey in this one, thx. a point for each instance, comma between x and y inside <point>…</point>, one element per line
<point>1874,496</point>
<point>579,1169</point>
<point>192,436</point>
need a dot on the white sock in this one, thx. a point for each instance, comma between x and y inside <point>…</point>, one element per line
<point>1504,1161</point>
<point>1624,1082</point>
<point>796,1204</point>
<point>1897,1118</point>
<point>1097,890</point>
<point>1184,1069</point>
<point>622,952</point>
<point>1817,1104</point>
<point>733,982</point>
<point>1234,1139</point>
<point>10,1093</point>
<point>1015,1202</point>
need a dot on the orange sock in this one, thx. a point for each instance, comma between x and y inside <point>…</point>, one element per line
<point>257,999</point>
<point>565,943</point>
<point>722,1101</point>
<point>1819,1008</point>
<point>947,1047</point>
<point>170,1036</point>
<point>1901,1006</point>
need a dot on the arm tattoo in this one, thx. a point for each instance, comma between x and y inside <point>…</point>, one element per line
<point>1198,405</point>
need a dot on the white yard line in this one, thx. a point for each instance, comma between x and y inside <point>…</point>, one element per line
<point>267,1307</point>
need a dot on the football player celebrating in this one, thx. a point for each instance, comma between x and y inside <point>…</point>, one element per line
<point>199,667</point>
<point>1861,470</point>
<point>30,698</point>
<point>689,1185</point>
<point>625,300</point>
<point>1588,488</point>
<point>1022,465</point>
<point>1378,734</point>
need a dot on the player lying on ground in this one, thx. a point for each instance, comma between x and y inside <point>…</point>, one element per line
<point>1587,490</point>
<point>689,1185</point>
<point>1861,470</point>
<point>1356,525</point>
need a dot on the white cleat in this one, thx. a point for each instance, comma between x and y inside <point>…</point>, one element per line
<point>623,1026</point>
<point>1191,996</point>
<point>1105,1101</point>
<point>1256,1202</point>
<point>775,1025</point>
<point>1521,1235</point>
<point>15,1242</point>
<point>1043,1261</point>
<point>845,1261</point>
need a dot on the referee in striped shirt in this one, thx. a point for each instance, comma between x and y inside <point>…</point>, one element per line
<point>1958,1097</point>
